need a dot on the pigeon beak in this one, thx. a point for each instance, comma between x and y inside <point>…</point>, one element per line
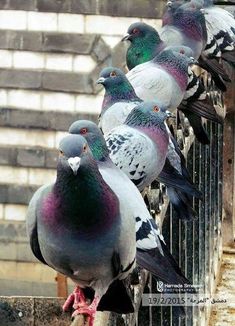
<point>101,80</point>
<point>169,3</point>
<point>193,61</point>
<point>74,163</point>
<point>126,37</point>
<point>170,115</point>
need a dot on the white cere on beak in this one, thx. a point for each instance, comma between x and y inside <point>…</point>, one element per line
<point>74,163</point>
<point>100,80</point>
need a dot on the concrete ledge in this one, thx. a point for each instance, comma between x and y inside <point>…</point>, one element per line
<point>28,311</point>
<point>43,120</point>
<point>46,311</point>
<point>131,8</point>
<point>48,41</point>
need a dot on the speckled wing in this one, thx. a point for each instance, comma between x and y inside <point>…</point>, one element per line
<point>133,152</point>
<point>219,22</point>
<point>148,234</point>
<point>195,88</point>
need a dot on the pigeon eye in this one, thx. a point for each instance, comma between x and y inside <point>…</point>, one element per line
<point>182,51</point>
<point>84,148</point>
<point>135,31</point>
<point>113,74</point>
<point>83,131</point>
<point>155,108</point>
<point>61,152</point>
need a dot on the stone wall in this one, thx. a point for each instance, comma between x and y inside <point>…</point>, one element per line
<point>51,52</point>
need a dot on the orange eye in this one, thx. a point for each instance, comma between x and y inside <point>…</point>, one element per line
<point>135,31</point>
<point>83,131</point>
<point>155,108</point>
<point>84,148</point>
<point>113,74</point>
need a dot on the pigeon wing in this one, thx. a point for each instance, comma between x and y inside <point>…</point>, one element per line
<point>31,222</point>
<point>132,152</point>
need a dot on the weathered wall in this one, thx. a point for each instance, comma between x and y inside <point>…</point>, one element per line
<point>51,52</point>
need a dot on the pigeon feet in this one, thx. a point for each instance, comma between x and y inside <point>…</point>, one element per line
<point>89,311</point>
<point>75,300</point>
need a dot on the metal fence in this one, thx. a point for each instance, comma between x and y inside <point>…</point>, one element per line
<point>196,245</point>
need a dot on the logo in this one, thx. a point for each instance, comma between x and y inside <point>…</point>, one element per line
<point>160,286</point>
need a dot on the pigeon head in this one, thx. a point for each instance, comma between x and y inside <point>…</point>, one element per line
<point>148,114</point>
<point>184,50</point>
<point>73,152</point>
<point>190,19</point>
<point>94,137</point>
<point>172,6</point>
<point>117,87</point>
<point>111,77</point>
<point>176,64</point>
<point>145,43</point>
<point>140,30</point>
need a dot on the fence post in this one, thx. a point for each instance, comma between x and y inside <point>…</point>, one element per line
<point>62,287</point>
<point>228,227</point>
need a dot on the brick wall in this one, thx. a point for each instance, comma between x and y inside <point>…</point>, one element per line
<point>51,52</point>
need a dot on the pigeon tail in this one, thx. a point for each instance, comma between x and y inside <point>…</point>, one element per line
<point>198,129</point>
<point>181,204</point>
<point>217,72</point>
<point>229,56</point>
<point>162,267</point>
<point>202,108</point>
<point>117,299</point>
<point>171,178</point>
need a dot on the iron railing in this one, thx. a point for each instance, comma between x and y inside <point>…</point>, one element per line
<point>196,245</point>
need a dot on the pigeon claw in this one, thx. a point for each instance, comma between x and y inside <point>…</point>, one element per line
<point>75,300</point>
<point>88,311</point>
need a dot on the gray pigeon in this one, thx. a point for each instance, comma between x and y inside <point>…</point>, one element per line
<point>152,253</point>
<point>185,24</point>
<point>139,147</point>
<point>76,227</point>
<point>164,78</point>
<point>119,99</point>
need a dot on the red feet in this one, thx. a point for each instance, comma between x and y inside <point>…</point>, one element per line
<point>89,311</point>
<point>77,301</point>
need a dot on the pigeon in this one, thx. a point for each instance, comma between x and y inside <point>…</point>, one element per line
<point>139,147</point>
<point>221,24</point>
<point>115,115</point>
<point>76,226</point>
<point>152,252</point>
<point>164,78</point>
<point>184,24</point>
<point>119,99</point>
